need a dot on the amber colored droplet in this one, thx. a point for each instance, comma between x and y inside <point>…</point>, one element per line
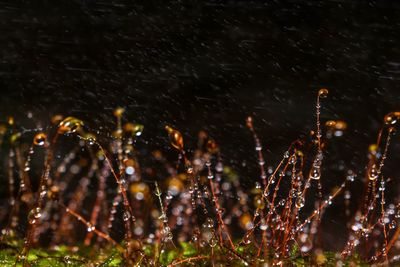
<point>249,122</point>
<point>392,118</point>
<point>212,146</point>
<point>336,125</point>
<point>129,162</point>
<point>117,133</point>
<point>175,185</point>
<point>245,221</point>
<point>133,128</point>
<point>40,139</point>
<point>373,148</point>
<point>69,125</point>
<point>140,190</point>
<point>56,118</point>
<point>258,202</point>
<point>89,138</point>
<point>10,120</point>
<point>118,112</point>
<point>323,93</point>
<point>175,138</point>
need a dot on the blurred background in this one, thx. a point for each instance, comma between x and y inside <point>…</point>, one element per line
<point>208,65</point>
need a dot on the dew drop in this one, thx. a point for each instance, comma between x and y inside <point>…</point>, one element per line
<point>69,125</point>
<point>90,227</point>
<point>373,173</point>
<point>118,112</point>
<point>34,215</point>
<point>175,138</point>
<point>126,216</point>
<point>134,129</point>
<point>392,118</point>
<point>40,139</point>
<point>323,93</point>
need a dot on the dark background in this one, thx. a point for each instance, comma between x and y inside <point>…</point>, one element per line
<point>207,65</point>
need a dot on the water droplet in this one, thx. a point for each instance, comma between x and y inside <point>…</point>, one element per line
<point>90,139</point>
<point>40,139</point>
<point>245,221</point>
<point>300,202</point>
<point>373,173</point>
<point>209,223</point>
<point>34,215</point>
<point>126,216</point>
<point>175,138</point>
<point>286,155</point>
<point>315,173</point>
<point>323,93</point>
<point>118,112</point>
<point>166,233</point>
<point>90,227</point>
<point>392,118</point>
<point>134,129</point>
<point>69,125</point>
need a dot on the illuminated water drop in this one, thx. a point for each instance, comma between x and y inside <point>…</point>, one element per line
<point>126,216</point>
<point>245,221</point>
<point>373,173</point>
<point>392,224</point>
<point>335,127</point>
<point>34,215</point>
<point>175,138</point>
<point>40,139</point>
<point>118,112</point>
<point>69,125</point>
<point>175,185</point>
<point>209,223</point>
<point>133,129</point>
<point>90,227</point>
<point>323,93</point>
<point>139,190</point>
<point>315,173</point>
<point>89,138</point>
<point>259,202</point>
<point>392,118</point>
<point>10,120</point>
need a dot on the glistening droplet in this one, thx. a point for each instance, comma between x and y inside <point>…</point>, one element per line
<point>175,138</point>
<point>40,139</point>
<point>69,125</point>
<point>323,93</point>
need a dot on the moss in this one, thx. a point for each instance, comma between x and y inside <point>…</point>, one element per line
<point>109,257</point>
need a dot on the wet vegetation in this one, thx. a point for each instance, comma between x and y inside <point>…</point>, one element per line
<point>74,199</point>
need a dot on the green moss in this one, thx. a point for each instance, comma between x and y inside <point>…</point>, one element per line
<point>109,257</point>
